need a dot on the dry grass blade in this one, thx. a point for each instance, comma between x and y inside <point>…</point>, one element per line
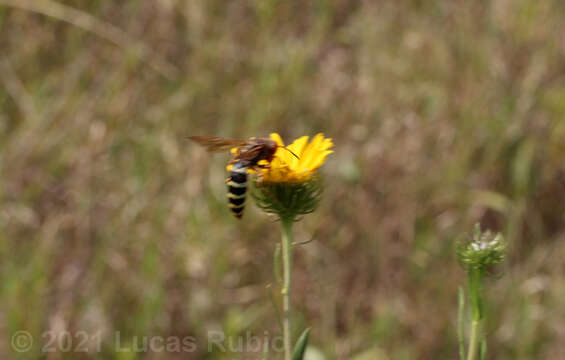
<point>100,28</point>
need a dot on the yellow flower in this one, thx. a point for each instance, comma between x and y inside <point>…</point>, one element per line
<point>286,168</point>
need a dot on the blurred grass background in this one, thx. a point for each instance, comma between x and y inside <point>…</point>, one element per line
<point>443,113</point>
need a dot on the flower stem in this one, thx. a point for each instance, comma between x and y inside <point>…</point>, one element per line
<point>475,280</point>
<point>287,281</point>
<point>474,340</point>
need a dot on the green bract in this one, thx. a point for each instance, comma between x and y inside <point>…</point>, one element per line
<point>288,200</point>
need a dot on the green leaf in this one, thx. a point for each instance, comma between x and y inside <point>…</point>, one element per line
<point>491,199</point>
<point>277,264</point>
<point>301,345</point>
<point>275,307</point>
<point>461,322</point>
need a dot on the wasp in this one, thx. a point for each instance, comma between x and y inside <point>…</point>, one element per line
<point>247,156</point>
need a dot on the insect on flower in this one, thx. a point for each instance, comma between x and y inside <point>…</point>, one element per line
<point>252,154</point>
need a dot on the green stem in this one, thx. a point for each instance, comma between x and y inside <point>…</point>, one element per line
<point>474,340</point>
<point>287,281</point>
<point>475,282</point>
<point>475,279</point>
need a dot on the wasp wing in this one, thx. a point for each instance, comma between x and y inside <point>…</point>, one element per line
<point>250,154</point>
<point>216,144</point>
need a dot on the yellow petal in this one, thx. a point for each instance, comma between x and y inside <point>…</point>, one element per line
<point>276,138</point>
<point>296,147</point>
<point>283,156</point>
<point>311,151</point>
<point>319,160</point>
<point>280,153</point>
<point>286,168</point>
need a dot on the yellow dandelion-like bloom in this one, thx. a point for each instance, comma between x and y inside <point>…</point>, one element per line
<point>287,185</point>
<point>287,168</point>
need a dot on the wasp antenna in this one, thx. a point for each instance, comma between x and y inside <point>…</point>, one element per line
<point>290,151</point>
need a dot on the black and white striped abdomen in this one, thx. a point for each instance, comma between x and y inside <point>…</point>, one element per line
<point>237,187</point>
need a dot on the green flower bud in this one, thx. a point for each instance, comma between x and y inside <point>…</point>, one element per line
<point>483,250</point>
